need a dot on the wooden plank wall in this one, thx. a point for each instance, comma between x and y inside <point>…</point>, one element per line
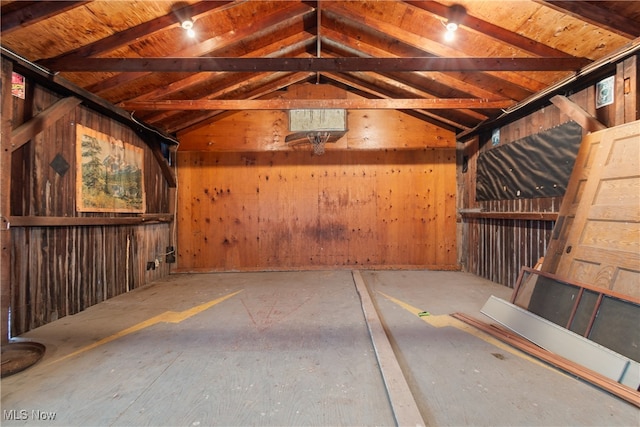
<point>502,246</point>
<point>497,247</point>
<point>58,271</point>
<point>293,210</point>
<point>382,196</point>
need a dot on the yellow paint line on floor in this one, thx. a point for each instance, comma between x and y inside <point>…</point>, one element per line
<point>444,320</point>
<point>166,317</point>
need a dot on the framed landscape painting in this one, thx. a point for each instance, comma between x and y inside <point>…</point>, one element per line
<point>109,174</point>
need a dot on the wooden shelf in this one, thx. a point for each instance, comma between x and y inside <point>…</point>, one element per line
<point>60,221</point>
<point>535,216</point>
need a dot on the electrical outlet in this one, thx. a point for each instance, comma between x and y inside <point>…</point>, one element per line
<point>151,265</point>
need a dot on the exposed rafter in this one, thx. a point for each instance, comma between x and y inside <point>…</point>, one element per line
<point>34,12</point>
<point>495,31</point>
<point>130,35</point>
<point>378,50</point>
<point>599,15</point>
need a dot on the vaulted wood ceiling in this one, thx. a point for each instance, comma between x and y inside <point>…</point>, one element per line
<point>393,53</point>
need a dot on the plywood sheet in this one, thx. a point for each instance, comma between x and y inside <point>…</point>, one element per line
<point>294,210</point>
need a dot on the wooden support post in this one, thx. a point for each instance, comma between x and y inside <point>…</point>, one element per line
<point>628,106</point>
<point>5,198</point>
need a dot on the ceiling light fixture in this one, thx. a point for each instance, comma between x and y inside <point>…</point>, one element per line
<point>455,16</point>
<point>451,29</point>
<point>187,25</point>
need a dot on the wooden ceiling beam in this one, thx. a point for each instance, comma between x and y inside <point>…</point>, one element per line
<point>399,86</point>
<point>368,90</point>
<point>32,13</point>
<point>491,30</point>
<point>193,120</point>
<point>293,104</point>
<point>597,15</point>
<point>292,45</point>
<point>394,86</point>
<point>143,30</point>
<point>232,88</point>
<point>264,26</point>
<point>343,41</point>
<point>65,87</point>
<point>229,86</point>
<point>437,83</point>
<point>394,89</point>
<point>424,41</point>
<point>314,64</point>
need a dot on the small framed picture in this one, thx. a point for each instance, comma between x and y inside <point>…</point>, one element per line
<point>495,137</point>
<point>604,92</point>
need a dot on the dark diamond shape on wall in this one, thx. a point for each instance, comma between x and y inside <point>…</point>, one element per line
<point>59,164</point>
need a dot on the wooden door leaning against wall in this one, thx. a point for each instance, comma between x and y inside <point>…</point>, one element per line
<point>597,240</point>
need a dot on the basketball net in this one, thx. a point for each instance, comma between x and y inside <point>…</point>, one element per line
<point>318,140</point>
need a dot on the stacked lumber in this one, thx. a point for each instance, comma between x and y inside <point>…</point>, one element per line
<point>622,391</point>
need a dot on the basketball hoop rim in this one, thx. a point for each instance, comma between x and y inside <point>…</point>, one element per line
<point>318,139</point>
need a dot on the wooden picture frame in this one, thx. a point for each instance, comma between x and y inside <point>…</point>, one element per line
<point>109,174</point>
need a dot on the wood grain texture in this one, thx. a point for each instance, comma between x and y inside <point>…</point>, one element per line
<point>43,120</point>
<point>500,243</point>
<point>5,197</point>
<point>313,64</point>
<point>62,261</point>
<point>603,240</point>
<point>295,210</point>
<point>266,130</point>
<point>405,409</point>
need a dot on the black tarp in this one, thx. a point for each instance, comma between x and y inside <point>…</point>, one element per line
<point>535,166</point>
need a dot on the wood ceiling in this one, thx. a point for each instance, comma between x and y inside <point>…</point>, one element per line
<point>392,53</point>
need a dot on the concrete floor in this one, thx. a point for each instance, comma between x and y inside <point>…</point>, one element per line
<point>291,348</point>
